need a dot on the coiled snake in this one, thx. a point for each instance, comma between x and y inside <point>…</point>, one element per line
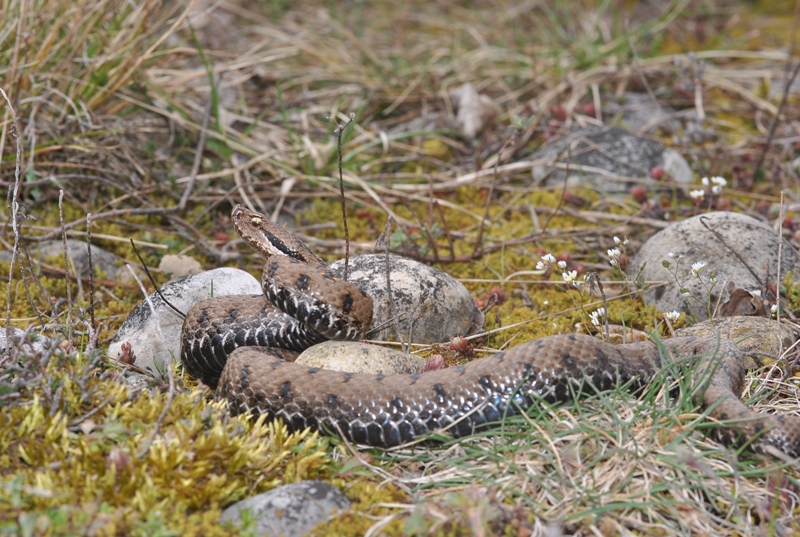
<point>219,336</point>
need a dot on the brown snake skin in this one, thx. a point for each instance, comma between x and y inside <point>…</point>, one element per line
<point>387,410</point>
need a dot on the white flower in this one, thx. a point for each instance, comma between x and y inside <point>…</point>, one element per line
<point>547,260</point>
<point>562,265</point>
<point>672,316</point>
<point>613,255</point>
<point>597,316</point>
<point>704,180</point>
<point>697,194</point>
<point>719,181</point>
<point>712,278</point>
<point>569,277</point>
<point>670,254</point>
<point>774,309</point>
<point>697,267</point>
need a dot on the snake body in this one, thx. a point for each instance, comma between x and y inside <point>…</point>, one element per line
<point>387,410</point>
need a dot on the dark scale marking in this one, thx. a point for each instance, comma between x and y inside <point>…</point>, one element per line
<point>759,427</point>
<point>272,268</point>
<point>303,282</point>
<point>328,275</point>
<point>347,303</point>
<point>347,377</point>
<point>414,378</point>
<point>243,377</point>
<point>280,245</point>
<point>285,391</point>
<point>397,403</point>
<point>380,377</point>
<point>203,316</point>
<point>438,389</point>
<point>333,400</point>
<point>313,370</point>
<point>460,369</point>
<point>231,318</point>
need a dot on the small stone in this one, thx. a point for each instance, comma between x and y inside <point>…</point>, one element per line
<point>288,510</point>
<point>431,305</point>
<point>619,155</point>
<point>355,357</point>
<point>155,341</point>
<point>690,242</point>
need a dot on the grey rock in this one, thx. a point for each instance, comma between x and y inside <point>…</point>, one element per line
<point>638,112</point>
<point>755,336</point>
<point>155,339</point>
<point>608,157</point>
<point>431,305</point>
<point>690,242</point>
<point>355,357</point>
<point>31,343</point>
<point>110,264</point>
<point>290,510</point>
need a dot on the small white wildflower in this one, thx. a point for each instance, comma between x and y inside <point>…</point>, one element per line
<point>719,181</point>
<point>547,260</point>
<point>671,254</point>
<point>613,255</point>
<point>672,316</point>
<point>704,180</point>
<point>697,195</point>
<point>569,277</point>
<point>712,278</point>
<point>545,302</point>
<point>774,309</point>
<point>617,241</point>
<point>697,267</point>
<point>562,265</point>
<point>597,316</point>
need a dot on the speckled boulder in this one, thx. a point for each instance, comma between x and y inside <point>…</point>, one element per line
<point>431,305</point>
<point>608,157</point>
<point>288,510</point>
<point>757,337</point>
<point>155,340</point>
<point>690,242</point>
<point>355,357</point>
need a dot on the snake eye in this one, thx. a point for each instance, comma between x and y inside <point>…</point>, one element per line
<point>256,221</point>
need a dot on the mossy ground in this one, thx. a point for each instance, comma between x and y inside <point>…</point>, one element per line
<point>111,99</point>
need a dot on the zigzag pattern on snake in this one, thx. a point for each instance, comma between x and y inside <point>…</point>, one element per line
<point>387,410</point>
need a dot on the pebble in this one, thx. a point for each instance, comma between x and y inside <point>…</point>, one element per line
<point>690,242</point>
<point>356,357</point>
<point>431,305</point>
<point>155,340</point>
<point>289,510</point>
<point>616,153</point>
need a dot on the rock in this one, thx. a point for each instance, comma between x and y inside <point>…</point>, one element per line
<point>290,510</point>
<point>638,112</point>
<point>155,340</point>
<point>431,305</point>
<point>355,357</point>
<point>756,336</point>
<point>690,242</point>
<point>111,265</point>
<point>179,266</point>
<point>606,157</point>
<point>31,342</point>
<point>475,112</point>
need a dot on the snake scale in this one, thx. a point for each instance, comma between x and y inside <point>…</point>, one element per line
<point>230,342</point>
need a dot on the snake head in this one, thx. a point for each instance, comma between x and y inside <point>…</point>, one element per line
<point>268,238</point>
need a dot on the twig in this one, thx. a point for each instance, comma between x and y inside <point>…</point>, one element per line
<point>14,131</point>
<point>776,118</point>
<point>91,268</point>
<point>66,264</point>
<point>339,130</point>
<point>198,156</point>
<point>152,281</point>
